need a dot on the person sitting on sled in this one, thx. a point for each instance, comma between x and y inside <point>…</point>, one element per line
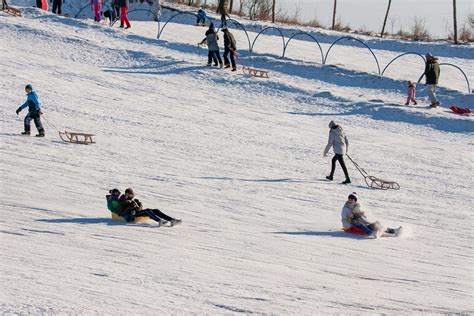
<point>113,201</point>
<point>354,220</point>
<point>34,112</point>
<point>130,208</point>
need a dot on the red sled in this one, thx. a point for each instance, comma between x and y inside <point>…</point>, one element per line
<point>356,231</point>
<point>457,110</point>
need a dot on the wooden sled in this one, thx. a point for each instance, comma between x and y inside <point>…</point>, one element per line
<point>11,11</point>
<point>77,138</point>
<point>255,72</point>
<point>377,183</point>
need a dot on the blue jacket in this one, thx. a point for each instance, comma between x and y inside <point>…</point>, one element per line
<point>32,102</point>
<point>202,14</point>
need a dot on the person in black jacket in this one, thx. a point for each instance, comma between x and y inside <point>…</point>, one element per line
<point>229,47</point>
<point>432,72</point>
<point>129,208</point>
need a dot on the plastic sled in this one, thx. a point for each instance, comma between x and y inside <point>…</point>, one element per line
<point>139,219</point>
<point>77,138</point>
<point>255,72</point>
<point>356,231</point>
<point>458,110</point>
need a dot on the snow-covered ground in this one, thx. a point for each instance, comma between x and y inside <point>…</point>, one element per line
<point>239,159</point>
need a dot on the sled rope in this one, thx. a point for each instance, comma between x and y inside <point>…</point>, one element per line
<point>49,123</point>
<point>374,182</point>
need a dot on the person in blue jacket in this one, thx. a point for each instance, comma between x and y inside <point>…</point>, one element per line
<point>34,112</point>
<point>201,17</point>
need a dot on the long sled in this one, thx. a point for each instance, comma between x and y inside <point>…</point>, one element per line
<point>77,138</point>
<point>374,182</point>
<point>255,72</point>
<point>11,11</point>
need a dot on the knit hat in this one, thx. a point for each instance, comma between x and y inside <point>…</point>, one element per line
<point>114,191</point>
<point>331,124</point>
<point>29,87</point>
<point>129,191</point>
<point>353,196</point>
<point>429,56</point>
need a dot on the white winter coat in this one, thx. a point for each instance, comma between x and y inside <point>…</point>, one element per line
<point>348,212</point>
<point>337,140</point>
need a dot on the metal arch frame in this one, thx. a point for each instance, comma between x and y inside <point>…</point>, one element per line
<point>161,29</point>
<point>401,55</point>
<point>355,39</point>
<point>243,28</point>
<point>464,74</point>
<point>87,5</point>
<point>267,28</point>
<point>304,33</point>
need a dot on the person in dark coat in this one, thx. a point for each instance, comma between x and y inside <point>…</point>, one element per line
<point>34,112</point>
<point>222,10</point>
<point>432,73</point>
<point>123,13</point>
<point>229,47</point>
<point>130,208</point>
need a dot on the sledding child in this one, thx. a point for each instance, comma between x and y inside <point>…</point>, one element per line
<point>213,46</point>
<point>340,144</point>
<point>113,201</point>
<point>201,17</point>
<point>411,93</point>
<point>130,208</point>
<point>354,220</point>
<point>34,112</point>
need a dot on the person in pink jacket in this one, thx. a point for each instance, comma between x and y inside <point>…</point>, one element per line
<point>411,93</point>
<point>95,6</point>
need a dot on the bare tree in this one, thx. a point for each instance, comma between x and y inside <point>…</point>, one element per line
<point>455,23</point>
<point>231,5</point>
<point>273,11</point>
<point>386,16</point>
<point>334,15</point>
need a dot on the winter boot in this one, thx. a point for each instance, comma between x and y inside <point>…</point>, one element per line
<point>227,66</point>
<point>234,68</point>
<point>25,133</point>
<point>40,134</point>
<point>329,178</point>
<point>174,222</point>
<point>347,181</point>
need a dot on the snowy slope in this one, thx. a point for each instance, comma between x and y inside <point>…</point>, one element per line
<point>239,160</point>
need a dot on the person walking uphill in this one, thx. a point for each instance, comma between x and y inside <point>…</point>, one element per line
<point>123,13</point>
<point>432,73</point>
<point>229,47</point>
<point>130,208</point>
<point>340,144</point>
<point>34,112</point>
<point>95,7</point>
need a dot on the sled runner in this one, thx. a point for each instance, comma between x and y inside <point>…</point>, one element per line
<point>76,138</point>
<point>374,182</point>
<point>11,11</point>
<point>249,70</point>
<point>255,72</point>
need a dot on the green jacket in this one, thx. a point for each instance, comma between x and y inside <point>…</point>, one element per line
<point>432,71</point>
<point>112,204</point>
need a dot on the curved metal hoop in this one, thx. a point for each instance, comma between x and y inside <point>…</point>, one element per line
<point>307,34</point>
<point>243,28</point>
<point>134,10</point>
<point>355,39</point>
<point>401,55</point>
<point>464,74</point>
<point>160,30</point>
<point>88,5</point>
<point>267,28</point>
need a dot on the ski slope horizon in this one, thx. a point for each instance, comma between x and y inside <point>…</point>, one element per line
<point>239,160</point>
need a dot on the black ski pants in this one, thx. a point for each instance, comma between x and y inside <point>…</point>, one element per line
<point>39,4</point>
<point>154,214</point>
<point>214,56</point>
<point>232,58</point>
<point>35,116</point>
<point>339,158</point>
<point>57,6</point>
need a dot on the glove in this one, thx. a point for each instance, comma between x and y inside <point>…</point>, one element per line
<point>325,154</point>
<point>18,111</point>
<point>40,112</point>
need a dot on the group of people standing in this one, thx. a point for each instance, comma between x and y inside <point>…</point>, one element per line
<point>230,46</point>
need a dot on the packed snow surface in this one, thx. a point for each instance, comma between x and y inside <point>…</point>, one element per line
<point>239,160</point>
